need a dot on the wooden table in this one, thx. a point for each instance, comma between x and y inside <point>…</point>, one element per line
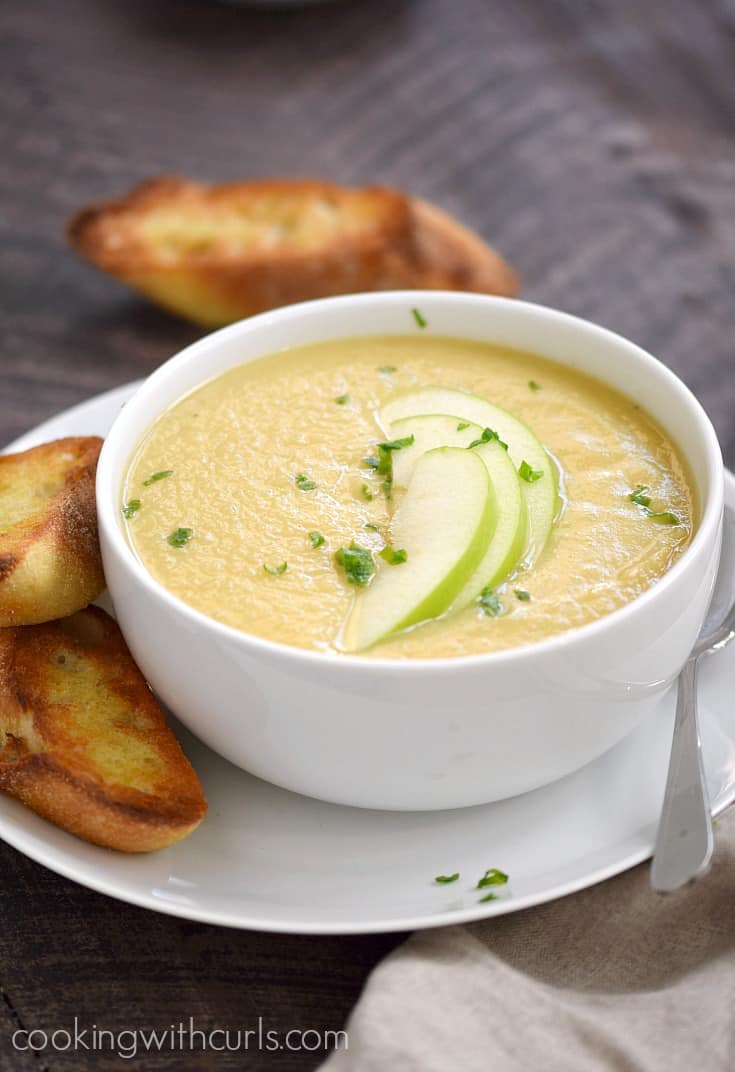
<point>591,140</point>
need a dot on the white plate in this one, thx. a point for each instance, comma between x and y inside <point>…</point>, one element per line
<point>271,860</point>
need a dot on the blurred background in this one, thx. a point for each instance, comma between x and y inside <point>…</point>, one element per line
<point>591,141</point>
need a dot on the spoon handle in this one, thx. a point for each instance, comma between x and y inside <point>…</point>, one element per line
<point>684,840</point>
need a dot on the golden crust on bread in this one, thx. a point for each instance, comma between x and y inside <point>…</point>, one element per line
<point>218,253</point>
<point>50,563</point>
<point>455,257</point>
<point>83,742</point>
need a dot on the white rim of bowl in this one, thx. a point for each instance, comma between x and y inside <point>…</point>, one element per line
<point>110,517</point>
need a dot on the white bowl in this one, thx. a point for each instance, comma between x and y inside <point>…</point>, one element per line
<point>421,734</point>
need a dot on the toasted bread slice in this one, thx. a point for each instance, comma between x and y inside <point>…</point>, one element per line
<point>50,563</point>
<point>215,254</point>
<point>83,742</point>
<point>456,258</point>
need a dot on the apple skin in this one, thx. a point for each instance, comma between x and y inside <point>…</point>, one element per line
<point>445,522</point>
<point>541,496</point>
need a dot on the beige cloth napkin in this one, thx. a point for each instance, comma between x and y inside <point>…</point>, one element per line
<point>613,978</point>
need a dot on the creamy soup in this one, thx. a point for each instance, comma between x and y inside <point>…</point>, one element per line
<point>241,495</point>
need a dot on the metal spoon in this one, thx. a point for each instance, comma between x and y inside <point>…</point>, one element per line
<point>684,841</point>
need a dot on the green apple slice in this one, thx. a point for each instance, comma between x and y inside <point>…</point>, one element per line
<point>523,446</point>
<point>508,543</point>
<point>429,431</point>
<point>445,523</point>
<point>509,540</point>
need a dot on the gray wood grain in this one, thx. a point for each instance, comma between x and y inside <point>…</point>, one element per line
<point>590,140</point>
<point>12,1059</point>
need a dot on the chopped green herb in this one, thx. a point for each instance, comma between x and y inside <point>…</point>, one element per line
<point>488,897</point>
<point>384,462</point>
<point>419,318</point>
<point>303,483</point>
<point>462,425</point>
<point>387,369</point>
<point>372,527</point>
<point>638,495</point>
<point>444,880</point>
<point>357,563</point>
<point>342,400</point>
<point>316,539</point>
<point>488,435</point>
<point>179,537</point>
<point>492,877</point>
<point>276,571</point>
<point>661,517</point>
<point>525,472</point>
<point>489,602</point>
<point>396,444</point>
<point>366,493</point>
<point>525,597</point>
<point>155,477</point>
<point>394,557</point>
<point>534,386</point>
<point>131,507</point>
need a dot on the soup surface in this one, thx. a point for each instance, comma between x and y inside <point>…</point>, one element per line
<point>265,466</point>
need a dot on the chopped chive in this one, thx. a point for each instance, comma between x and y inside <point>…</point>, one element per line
<point>520,593</point>
<point>179,537</point>
<point>388,369</point>
<point>371,462</point>
<point>489,602</point>
<point>316,539</point>
<point>303,483</point>
<point>638,495</point>
<point>276,571</point>
<point>534,386</point>
<point>525,472</point>
<point>492,877</point>
<point>372,527</point>
<point>357,563</point>
<point>444,880</point>
<point>419,318</point>
<point>155,477</point>
<point>131,507</point>
<point>394,556</point>
<point>342,400</point>
<point>366,493</point>
<point>488,436</point>
<point>488,897</point>
<point>462,425</point>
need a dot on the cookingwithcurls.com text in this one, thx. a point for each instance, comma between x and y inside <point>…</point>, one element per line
<point>183,1036</point>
